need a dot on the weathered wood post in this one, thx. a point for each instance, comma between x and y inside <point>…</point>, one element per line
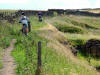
<point>39,55</point>
<point>29,27</point>
<point>39,62</point>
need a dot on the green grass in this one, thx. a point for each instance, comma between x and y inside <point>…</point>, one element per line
<point>5,38</point>
<point>35,23</point>
<point>0,58</point>
<point>70,29</point>
<point>74,26</point>
<point>53,62</point>
<point>83,25</point>
<point>10,31</point>
<point>26,57</point>
<point>90,27</point>
<point>92,10</point>
<point>6,12</point>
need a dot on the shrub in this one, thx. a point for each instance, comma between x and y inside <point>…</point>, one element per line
<point>5,42</point>
<point>77,42</point>
<point>82,25</point>
<point>70,29</point>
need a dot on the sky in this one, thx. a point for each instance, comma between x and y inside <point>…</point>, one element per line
<point>48,4</point>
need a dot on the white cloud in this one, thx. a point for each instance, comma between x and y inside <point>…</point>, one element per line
<point>14,1</point>
<point>66,4</point>
<point>97,4</point>
<point>45,4</point>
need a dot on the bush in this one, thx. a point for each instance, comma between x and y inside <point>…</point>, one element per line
<point>82,25</point>
<point>77,42</point>
<point>70,29</point>
<point>5,42</point>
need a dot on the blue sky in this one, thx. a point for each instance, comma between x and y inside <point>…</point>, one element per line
<point>48,4</point>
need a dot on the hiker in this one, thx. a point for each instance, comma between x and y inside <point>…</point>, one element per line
<point>40,16</point>
<point>26,24</point>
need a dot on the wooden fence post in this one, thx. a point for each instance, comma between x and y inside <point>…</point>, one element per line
<point>39,62</point>
<point>39,54</point>
<point>29,27</point>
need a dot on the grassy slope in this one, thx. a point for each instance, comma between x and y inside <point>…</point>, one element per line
<point>79,21</point>
<point>54,61</point>
<point>80,38</point>
<point>93,11</point>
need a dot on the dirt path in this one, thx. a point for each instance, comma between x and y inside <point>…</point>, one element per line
<point>8,61</point>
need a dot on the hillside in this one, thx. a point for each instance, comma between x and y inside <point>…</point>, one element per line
<point>92,10</point>
<point>57,34</point>
<point>78,30</point>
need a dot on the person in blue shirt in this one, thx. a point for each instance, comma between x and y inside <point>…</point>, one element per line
<point>24,21</point>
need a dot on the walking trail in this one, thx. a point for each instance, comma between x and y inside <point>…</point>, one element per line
<point>8,61</point>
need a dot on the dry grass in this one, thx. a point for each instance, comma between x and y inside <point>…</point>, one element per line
<point>5,10</point>
<point>52,34</point>
<point>93,11</point>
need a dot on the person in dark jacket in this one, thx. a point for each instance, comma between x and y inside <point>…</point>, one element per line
<point>40,14</point>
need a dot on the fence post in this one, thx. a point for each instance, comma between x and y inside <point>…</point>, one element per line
<point>39,62</point>
<point>29,27</point>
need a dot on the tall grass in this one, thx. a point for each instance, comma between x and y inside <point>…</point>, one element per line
<point>25,52</point>
<point>90,27</point>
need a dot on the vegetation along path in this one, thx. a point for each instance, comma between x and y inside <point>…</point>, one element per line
<point>8,61</point>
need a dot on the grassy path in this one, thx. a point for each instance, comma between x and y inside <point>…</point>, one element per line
<point>8,61</point>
